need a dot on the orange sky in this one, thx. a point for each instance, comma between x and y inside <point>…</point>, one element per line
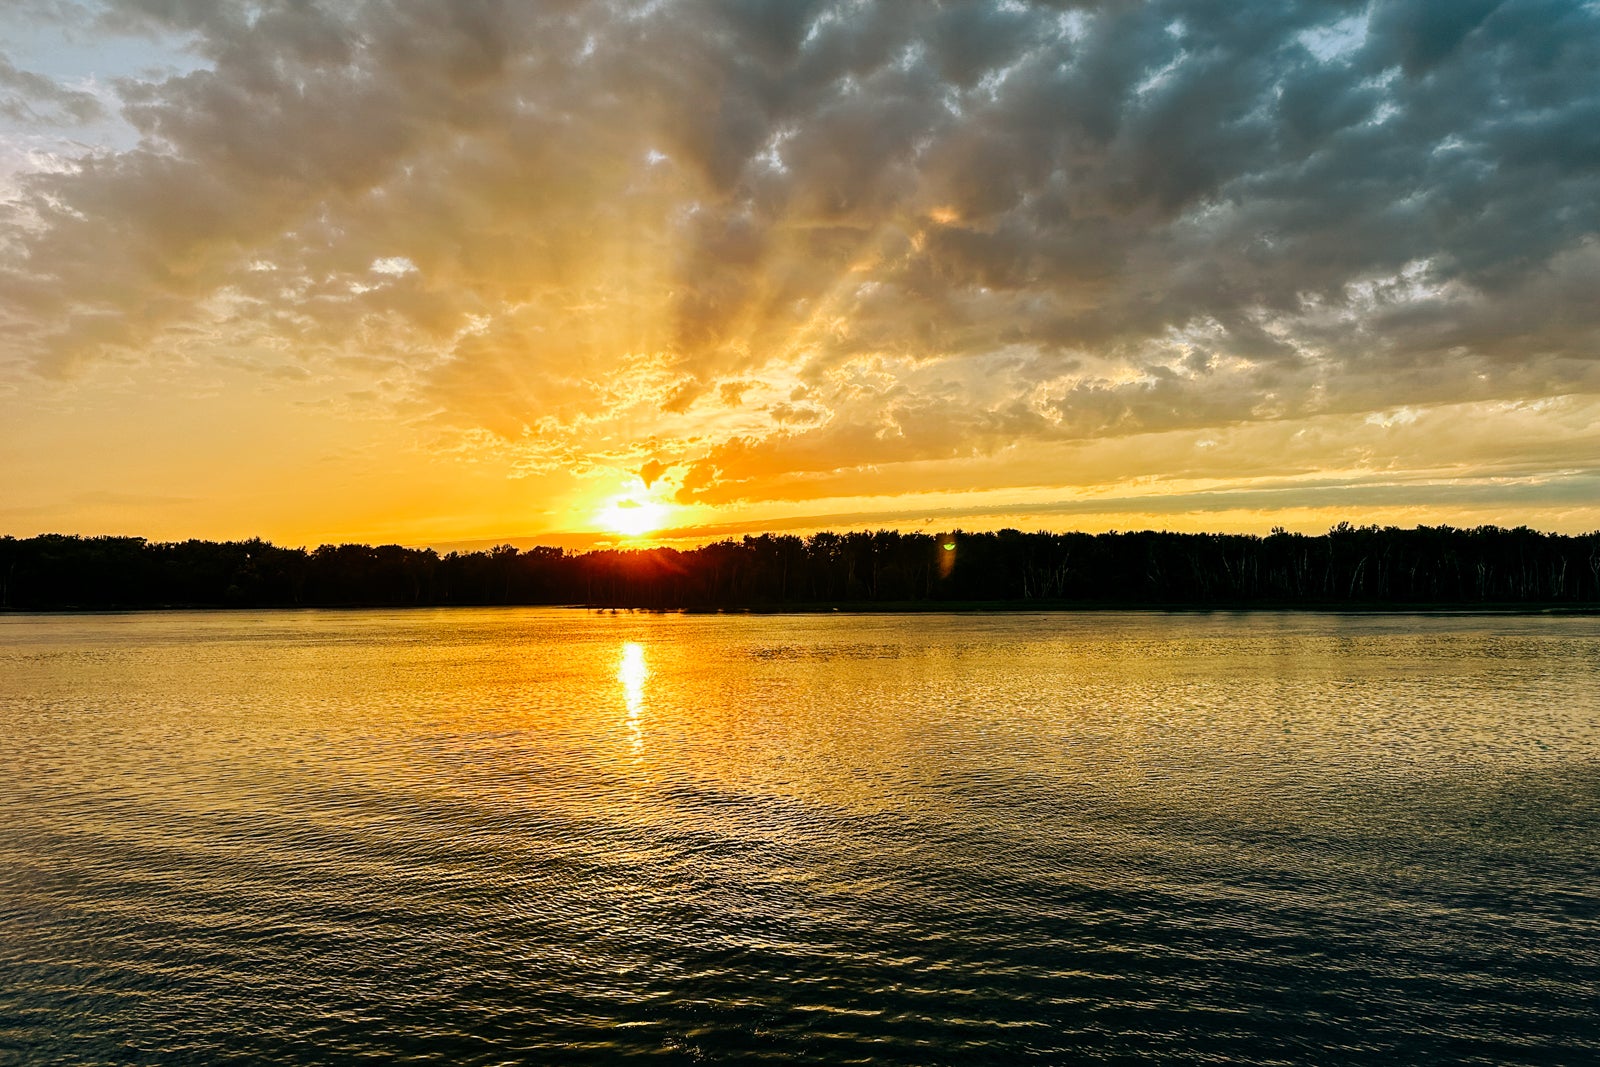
<point>442,274</point>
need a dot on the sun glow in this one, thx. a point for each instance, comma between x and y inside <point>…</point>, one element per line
<point>633,517</point>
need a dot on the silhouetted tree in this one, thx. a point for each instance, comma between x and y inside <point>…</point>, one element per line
<point>1349,565</point>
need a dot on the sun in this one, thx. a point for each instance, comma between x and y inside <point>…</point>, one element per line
<point>632,517</point>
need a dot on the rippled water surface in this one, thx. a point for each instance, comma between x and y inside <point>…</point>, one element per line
<point>510,836</point>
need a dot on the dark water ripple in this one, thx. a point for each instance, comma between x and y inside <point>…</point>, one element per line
<point>524,836</point>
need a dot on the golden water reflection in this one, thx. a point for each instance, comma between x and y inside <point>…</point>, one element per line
<point>1078,817</point>
<point>632,673</point>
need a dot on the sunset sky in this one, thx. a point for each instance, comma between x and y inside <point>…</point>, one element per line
<point>440,273</point>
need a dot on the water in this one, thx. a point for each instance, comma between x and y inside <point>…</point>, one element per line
<point>548,836</point>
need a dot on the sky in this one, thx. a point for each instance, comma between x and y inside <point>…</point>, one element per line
<point>473,271</point>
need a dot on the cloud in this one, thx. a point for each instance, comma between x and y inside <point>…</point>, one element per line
<point>651,471</point>
<point>763,243</point>
<point>35,100</point>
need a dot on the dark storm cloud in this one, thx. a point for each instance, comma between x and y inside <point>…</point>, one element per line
<point>953,226</point>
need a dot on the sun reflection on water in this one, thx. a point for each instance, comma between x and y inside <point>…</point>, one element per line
<point>632,673</point>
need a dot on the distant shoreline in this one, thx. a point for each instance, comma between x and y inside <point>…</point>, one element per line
<point>860,608</point>
<point>1349,568</point>
<point>1064,608</point>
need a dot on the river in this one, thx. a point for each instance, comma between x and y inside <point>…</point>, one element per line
<point>536,835</point>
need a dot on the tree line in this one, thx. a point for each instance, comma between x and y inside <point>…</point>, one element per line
<point>1347,566</point>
